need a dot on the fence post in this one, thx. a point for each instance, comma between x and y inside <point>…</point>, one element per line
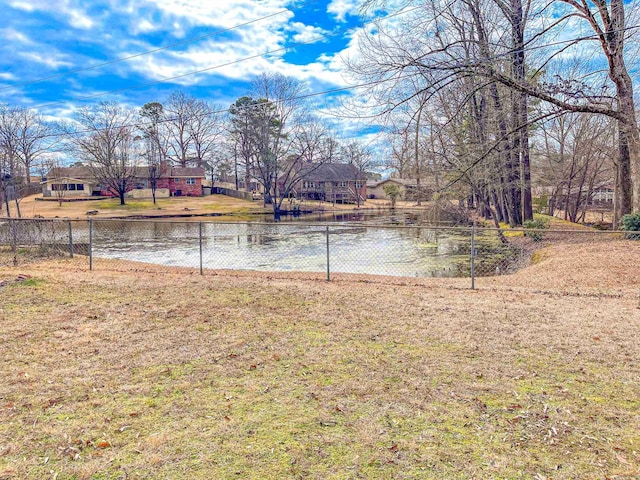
<point>473,256</point>
<point>70,240</point>
<point>14,236</point>
<point>200,239</point>
<point>328,269</point>
<point>90,244</point>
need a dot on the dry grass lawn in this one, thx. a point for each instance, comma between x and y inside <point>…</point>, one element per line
<point>182,206</point>
<point>157,374</point>
<point>111,208</point>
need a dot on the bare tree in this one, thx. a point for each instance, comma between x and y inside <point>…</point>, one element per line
<point>155,143</point>
<point>400,152</point>
<point>177,117</point>
<point>277,115</point>
<point>572,158</point>
<point>9,128</point>
<point>206,128</point>
<point>34,137</point>
<point>13,173</point>
<point>51,168</point>
<point>501,50</point>
<point>108,146</point>
<point>5,181</point>
<point>312,140</point>
<point>356,153</point>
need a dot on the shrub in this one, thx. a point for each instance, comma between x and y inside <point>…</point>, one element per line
<point>393,192</point>
<point>541,204</point>
<point>631,223</point>
<point>532,228</point>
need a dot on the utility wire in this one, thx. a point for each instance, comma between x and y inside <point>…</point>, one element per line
<point>313,40</point>
<point>244,59</point>
<point>335,90</point>
<point>148,52</point>
<point>256,105</point>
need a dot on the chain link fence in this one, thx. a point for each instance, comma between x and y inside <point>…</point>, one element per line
<point>356,248</point>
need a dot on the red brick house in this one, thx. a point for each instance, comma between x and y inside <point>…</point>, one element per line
<point>181,181</point>
<point>171,181</point>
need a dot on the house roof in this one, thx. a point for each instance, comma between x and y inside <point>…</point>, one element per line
<point>65,178</point>
<point>407,182</point>
<point>80,173</point>
<point>331,172</point>
<point>84,173</point>
<point>186,172</point>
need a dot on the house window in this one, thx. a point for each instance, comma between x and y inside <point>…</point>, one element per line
<point>191,181</point>
<point>358,184</point>
<point>57,187</point>
<point>72,186</point>
<point>80,186</point>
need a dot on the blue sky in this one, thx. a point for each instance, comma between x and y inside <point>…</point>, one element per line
<point>44,38</point>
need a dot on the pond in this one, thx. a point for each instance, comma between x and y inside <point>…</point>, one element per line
<point>349,247</point>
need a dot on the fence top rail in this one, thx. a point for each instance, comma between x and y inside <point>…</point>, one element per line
<point>332,224</point>
<point>345,224</point>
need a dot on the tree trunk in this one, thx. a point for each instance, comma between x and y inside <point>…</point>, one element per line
<point>6,200</point>
<point>17,202</point>
<point>520,108</point>
<point>417,156</point>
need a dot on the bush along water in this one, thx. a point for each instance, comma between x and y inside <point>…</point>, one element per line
<point>631,223</point>
<point>533,228</point>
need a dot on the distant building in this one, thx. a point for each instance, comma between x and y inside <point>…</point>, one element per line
<point>331,182</point>
<point>408,188</point>
<point>171,181</point>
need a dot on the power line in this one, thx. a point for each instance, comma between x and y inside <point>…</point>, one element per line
<point>225,110</point>
<point>377,82</point>
<point>313,40</point>
<point>244,59</point>
<point>148,52</point>
<point>335,90</point>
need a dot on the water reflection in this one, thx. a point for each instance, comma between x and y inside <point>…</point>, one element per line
<point>353,248</point>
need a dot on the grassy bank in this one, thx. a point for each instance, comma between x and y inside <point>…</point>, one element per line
<point>171,375</point>
<point>110,208</point>
<point>175,206</point>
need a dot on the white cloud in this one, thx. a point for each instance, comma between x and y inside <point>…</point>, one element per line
<point>237,60</point>
<point>230,58</point>
<point>78,19</point>
<point>229,12</point>
<point>75,14</point>
<point>26,6</point>
<point>341,8</point>
<point>14,36</point>
<point>307,33</point>
<point>49,59</point>
<point>142,25</point>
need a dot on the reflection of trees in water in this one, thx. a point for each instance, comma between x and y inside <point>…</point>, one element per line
<point>420,251</point>
<point>258,239</point>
